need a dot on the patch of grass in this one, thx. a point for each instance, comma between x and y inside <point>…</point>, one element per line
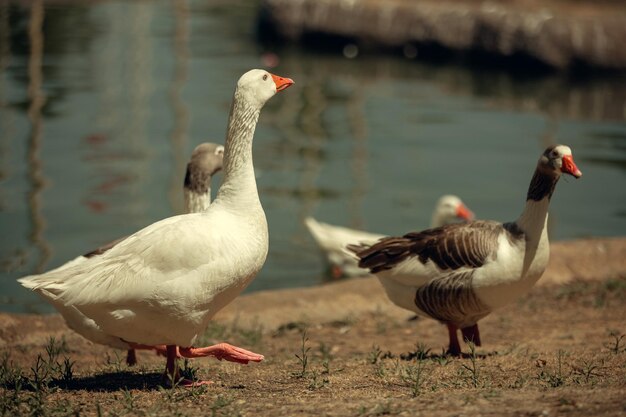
<point>27,394</point>
<point>128,400</point>
<point>414,376</point>
<point>10,374</point>
<point>587,371</point>
<point>321,378</point>
<point>615,346</point>
<point>554,378</point>
<point>472,371</point>
<point>374,355</point>
<point>50,368</point>
<point>189,371</point>
<point>10,399</point>
<point>442,359</point>
<point>380,370</point>
<point>318,380</point>
<point>303,357</point>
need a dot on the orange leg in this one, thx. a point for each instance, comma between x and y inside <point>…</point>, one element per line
<point>222,351</point>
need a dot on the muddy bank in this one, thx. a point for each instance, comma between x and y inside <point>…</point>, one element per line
<point>559,34</point>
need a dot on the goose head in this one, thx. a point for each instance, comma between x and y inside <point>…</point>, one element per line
<point>450,209</point>
<point>206,160</point>
<point>257,86</point>
<point>557,160</point>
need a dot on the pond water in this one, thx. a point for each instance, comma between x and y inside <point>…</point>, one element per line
<point>101,104</point>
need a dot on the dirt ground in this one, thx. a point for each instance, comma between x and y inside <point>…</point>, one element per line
<point>343,350</point>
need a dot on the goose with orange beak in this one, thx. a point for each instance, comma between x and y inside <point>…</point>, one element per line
<point>458,274</point>
<point>163,284</point>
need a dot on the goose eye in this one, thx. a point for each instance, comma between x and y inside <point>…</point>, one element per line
<point>265,77</point>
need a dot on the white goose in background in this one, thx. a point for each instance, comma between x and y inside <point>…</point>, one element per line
<point>460,273</point>
<point>162,285</point>
<point>333,240</point>
<point>205,161</point>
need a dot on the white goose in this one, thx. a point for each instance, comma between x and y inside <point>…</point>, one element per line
<point>458,274</point>
<point>206,160</point>
<point>162,285</point>
<point>333,240</point>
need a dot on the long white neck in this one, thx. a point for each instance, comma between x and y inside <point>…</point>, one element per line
<point>533,222</point>
<point>197,202</point>
<point>239,188</point>
<point>534,219</point>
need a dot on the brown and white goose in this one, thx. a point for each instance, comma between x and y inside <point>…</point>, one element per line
<point>206,161</point>
<point>460,273</point>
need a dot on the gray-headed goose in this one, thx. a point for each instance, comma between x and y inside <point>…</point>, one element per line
<point>162,285</point>
<point>460,273</point>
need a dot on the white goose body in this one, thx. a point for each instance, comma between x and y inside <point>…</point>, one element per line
<point>205,161</point>
<point>168,293</point>
<point>333,240</point>
<point>164,283</point>
<point>459,273</point>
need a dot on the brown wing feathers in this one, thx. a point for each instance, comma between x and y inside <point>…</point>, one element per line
<point>384,254</point>
<point>450,247</point>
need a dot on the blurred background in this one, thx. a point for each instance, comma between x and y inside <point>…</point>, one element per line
<point>101,103</point>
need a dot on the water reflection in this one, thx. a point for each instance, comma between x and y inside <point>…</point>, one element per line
<point>178,136</point>
<point>599,97</point>
<point>7,129</point>
<point>37,100</point>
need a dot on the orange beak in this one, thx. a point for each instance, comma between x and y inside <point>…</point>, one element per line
<point>569,167</point>
<point>281,82</point>
<point>462,212</point>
